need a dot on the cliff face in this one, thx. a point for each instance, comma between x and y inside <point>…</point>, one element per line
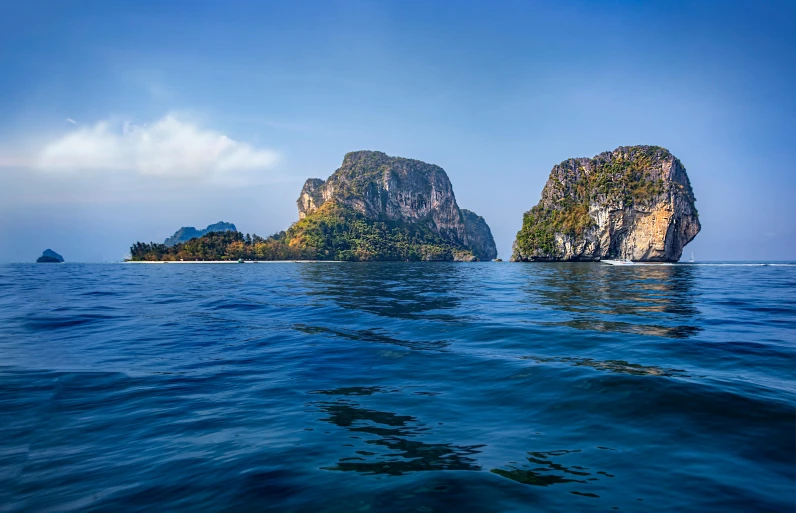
<point>633,203</point>
<point>479,236</point>
<point>399,190</point>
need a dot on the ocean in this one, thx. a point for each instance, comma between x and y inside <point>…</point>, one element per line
<point>428,387</point>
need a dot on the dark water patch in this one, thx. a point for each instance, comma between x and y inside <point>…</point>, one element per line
<point>394,438</point>
<point>617,366</point>
<point>373,335</point>
<point>627,327</point>
<point>99,293</point>
<point>559,468</point>
<point>44,322</point>
<point>350,391</point>
<point>236,304</point>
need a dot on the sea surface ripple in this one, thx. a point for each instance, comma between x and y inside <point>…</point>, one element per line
<point>397,387</point>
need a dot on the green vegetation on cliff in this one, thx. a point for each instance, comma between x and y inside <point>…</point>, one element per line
<point>333,232</point>
<point>540,225</point>
<point>626,178</point>
<point>338,232</point>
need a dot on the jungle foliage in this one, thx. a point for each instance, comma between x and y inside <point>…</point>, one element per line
<point>333,232</point>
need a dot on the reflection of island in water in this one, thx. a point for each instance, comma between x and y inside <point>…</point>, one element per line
<point>613,366</point>
<point>373,336</point>
<point>543,470</point>
<point>618,299</point>
<point>392,447</point>
<point>400,290</point>
<point>392,444</point>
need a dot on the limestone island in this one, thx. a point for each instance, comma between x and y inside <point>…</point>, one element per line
<point>187,233</point>
<point>373,208</point>
<point>49,256</point>
<point>634,203</point>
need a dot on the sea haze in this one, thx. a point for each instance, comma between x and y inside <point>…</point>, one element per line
<point>424,387</point>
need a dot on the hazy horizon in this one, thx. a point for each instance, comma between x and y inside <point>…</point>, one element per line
<point>125,122</point>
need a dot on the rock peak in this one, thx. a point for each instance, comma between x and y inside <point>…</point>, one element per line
<point>361,154</point>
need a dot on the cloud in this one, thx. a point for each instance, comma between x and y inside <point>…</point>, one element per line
<point>71,121</point>
<point>168,147</point>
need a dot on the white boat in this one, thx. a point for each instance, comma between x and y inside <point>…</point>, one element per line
<point>618,262</point>
<point>692,258</point>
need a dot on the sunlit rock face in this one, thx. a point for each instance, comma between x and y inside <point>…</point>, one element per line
<point>633,203</point>
<point>399,189</point>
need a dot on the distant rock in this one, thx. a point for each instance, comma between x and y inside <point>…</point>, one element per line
<point>633,203</point>
<point>187,233</point>
<point>49,256</point>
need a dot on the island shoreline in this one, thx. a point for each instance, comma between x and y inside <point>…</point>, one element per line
<point>230,261</point>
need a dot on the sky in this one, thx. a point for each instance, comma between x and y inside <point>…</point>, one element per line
<point>123,121</point>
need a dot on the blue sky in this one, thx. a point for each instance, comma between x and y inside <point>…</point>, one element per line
<point>252,98</point>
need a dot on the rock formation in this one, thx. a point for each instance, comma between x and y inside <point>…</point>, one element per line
<point>402,192</point>
<point>633,203</point>
<point>49,256</point>
<point>187,233</point>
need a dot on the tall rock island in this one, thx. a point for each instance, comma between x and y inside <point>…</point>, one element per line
<point>377,207</point>
<point>633,203</point>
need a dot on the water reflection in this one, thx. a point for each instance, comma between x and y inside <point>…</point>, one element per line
<point>627,327</point>
<point>542,469</point>
<point>614,366</point>
<point>602,297</point>
<point>352,391</point>
<point>400,290</point>
<point>373,335</point>
<point>391,444</point>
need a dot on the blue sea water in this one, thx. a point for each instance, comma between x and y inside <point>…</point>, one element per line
<point>343,387</point>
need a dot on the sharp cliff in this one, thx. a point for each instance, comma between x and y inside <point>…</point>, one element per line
<point>633,203</point>
<point>408,202</point>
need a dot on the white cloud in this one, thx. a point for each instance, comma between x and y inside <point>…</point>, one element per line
<point>71,121</point>
<point>168,147</point>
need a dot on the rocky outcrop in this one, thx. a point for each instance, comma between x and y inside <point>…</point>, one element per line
<point>311,197</point>
<point>399,190</point>
<point>478,235</point>
<point>634,203</point>
<point>187,233</point>
<point>49,256</point>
